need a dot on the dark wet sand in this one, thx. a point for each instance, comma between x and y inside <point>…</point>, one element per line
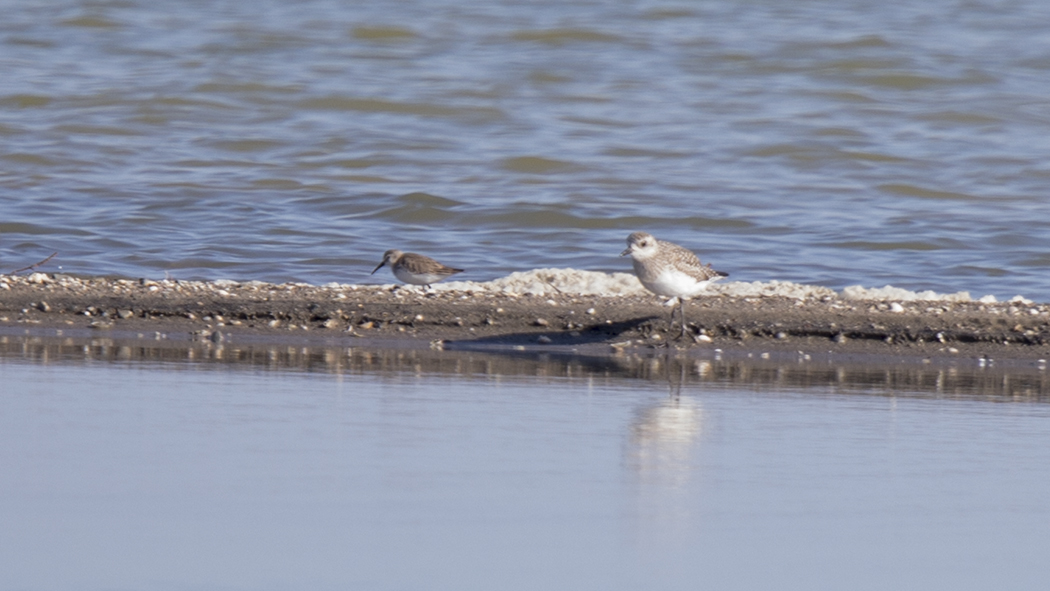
<point>361,316</point>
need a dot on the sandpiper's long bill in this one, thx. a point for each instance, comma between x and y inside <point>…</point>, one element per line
<point>414,268</point>
<point>667,269</point>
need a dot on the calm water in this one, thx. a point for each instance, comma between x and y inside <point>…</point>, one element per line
<point>441,470</point>
<point>831,142</point>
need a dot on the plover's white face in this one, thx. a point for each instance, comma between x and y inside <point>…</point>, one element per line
<point>640,246</point>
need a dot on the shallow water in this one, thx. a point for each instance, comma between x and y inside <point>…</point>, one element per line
<point>835,143</point>
<point>467,470</point>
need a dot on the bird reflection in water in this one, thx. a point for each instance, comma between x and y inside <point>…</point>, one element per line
<point>661,455</point>
<point>663,435</point>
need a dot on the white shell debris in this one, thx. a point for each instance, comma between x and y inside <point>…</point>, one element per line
<point>773,288</point>
<point>576,282</point>
<point>856,292</point>
<point>547,283</point>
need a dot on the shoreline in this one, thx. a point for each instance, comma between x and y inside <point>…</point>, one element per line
<point>755,319</point>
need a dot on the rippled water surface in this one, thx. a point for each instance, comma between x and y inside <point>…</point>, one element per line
<point>838,143</point>
<point>460,470</point>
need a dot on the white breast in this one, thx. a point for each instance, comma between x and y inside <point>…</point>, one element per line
<point>672,283</point>
<point>417,278</point>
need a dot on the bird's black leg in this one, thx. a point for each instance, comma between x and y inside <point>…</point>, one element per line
<point>670,325</point>
<point>682,304</point>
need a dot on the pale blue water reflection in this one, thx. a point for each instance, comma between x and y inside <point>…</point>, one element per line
<point>150,477</point>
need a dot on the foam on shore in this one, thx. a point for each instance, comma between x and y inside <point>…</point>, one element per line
<point>577,282</point>
<point>890,293</point>
<point>541,282</point>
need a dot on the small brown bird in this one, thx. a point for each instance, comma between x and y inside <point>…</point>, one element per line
<point>415,268</point>
<point>667,269</point>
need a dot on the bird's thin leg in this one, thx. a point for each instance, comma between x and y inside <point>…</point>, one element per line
<point>682,304</point>
<point>670,325</point>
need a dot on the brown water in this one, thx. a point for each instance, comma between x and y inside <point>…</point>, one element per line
<point>821,142</point>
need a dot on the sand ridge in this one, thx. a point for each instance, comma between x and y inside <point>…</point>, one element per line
<point>548,307</point>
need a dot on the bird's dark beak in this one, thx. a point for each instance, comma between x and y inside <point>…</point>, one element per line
<point>626,252</point>
<point>378,268</point>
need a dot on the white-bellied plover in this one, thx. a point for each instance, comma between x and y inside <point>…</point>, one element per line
<point>415,268</point>
<point>667,269</point>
